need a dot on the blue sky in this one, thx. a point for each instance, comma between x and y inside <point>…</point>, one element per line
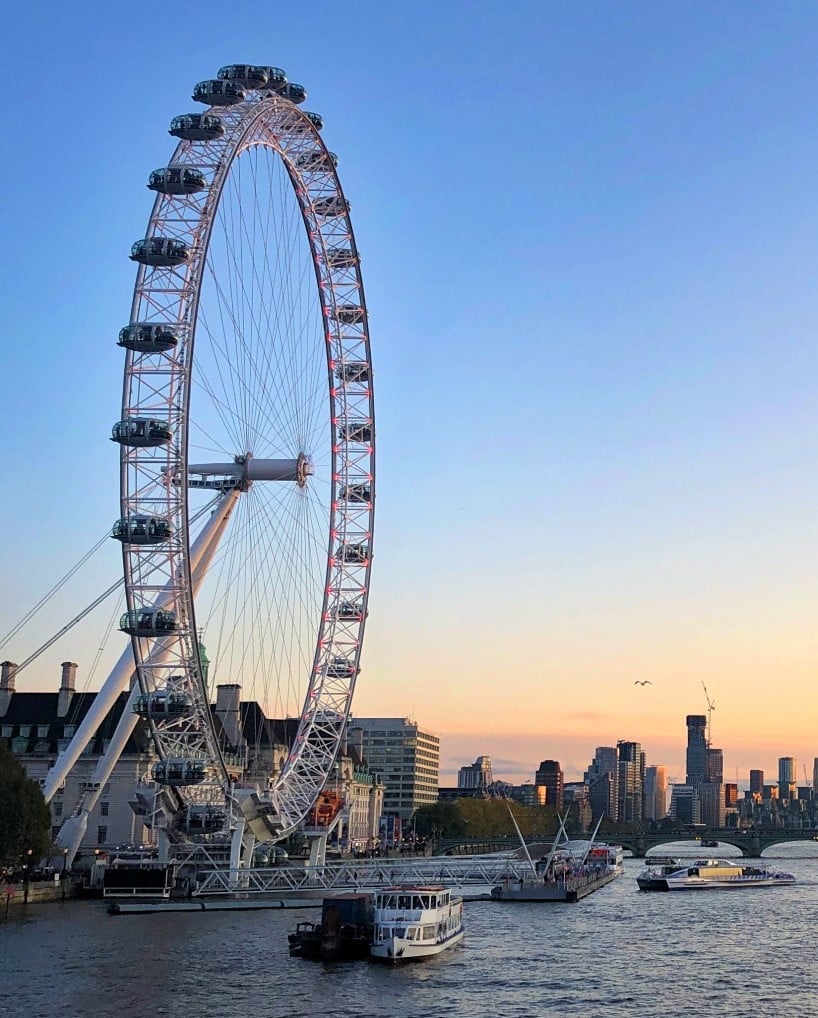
<point>589,247</point>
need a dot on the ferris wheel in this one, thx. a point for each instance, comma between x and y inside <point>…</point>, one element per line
<point>247,455</point>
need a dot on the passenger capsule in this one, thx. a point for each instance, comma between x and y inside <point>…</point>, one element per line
<point>295,93</point>
<point>142,530</point>
<point>199,818</point>
<point>141,432</point>
<point>218,93</point>
<point>177,180</point>
<point>356,431</point>
<point>332,206</point>
<point>340,668</point>
<point>160,252</point>
<point>341,258</point>
<point>318,159</point>
<point>276,79</point>
<point>244,75</point>
<point>148,622</point>
<point>145,337</point>
<point>348,314</point>
<point>178,771</point>
<point>356,493</point>
<point>315,119</point>
<point>353,372</point>
<point>350,610</point>
<point>353,554</point>
<point>161,705</point>
<point>196,127</point>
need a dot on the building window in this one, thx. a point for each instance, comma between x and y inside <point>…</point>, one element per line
<point>102,835</point>
<point>42,731</point>
<point>57,809</point>
<point>103,809</point>
<point>68,731</point>
<point>25,731</point>
<point>6,731</point>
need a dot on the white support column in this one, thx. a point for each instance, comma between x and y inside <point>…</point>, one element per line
<point>73,830</point>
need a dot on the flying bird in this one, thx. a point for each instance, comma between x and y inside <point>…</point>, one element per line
<point>642,682</point>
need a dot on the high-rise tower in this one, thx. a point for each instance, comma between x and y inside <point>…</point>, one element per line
<point>696,749</point>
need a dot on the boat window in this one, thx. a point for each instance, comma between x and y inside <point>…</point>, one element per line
<point>428,933</point>
<point>416,902</point>
<point>425,901</point>
<point>404,901</point>
<point>389,901</point>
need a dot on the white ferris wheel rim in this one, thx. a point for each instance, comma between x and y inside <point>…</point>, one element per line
<point>170,295</point>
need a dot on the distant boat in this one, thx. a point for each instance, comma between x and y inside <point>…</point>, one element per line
<point>708,843</point>
<point>703,874</point>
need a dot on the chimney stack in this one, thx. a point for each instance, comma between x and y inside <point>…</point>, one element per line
<point>8,673</point>
<point>227,711</point>
<point>67,687</point>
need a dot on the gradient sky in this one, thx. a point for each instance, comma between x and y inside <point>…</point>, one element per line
<point>590,245</point>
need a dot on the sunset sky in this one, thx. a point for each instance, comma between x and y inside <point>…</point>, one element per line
<point>590,248</point>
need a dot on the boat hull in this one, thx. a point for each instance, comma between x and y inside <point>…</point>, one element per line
<point>398,951</point>
<point>692,884</point>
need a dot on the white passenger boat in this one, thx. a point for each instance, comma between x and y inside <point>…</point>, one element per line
<point>415,922</point>
<point>672,875</point>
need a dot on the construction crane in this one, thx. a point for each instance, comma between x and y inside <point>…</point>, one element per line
<point>710,708</point>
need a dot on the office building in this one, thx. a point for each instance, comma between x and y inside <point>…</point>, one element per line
<point>696,749</point>
<point>786,777</point>
<point>757,782</point>
<point>405,757</point>
<point>711,801</point>
<point>631,790</point>
<point>549,774</point>
<point>577,803</point>
<point>684,805</point>
<point>476,776</point>
<point>655,792</point>
<point>602,778</point>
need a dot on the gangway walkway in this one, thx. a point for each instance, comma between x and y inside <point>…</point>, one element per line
<point>364,875</point>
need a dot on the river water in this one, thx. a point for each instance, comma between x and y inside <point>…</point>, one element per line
<point>617,953</point>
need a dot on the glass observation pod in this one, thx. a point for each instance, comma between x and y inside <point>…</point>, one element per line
<point>196,127</point>
<point>244,75</point>
<point>141,432</point>
<point>276,78</point>
<point>353,554</point>
<point>348,314</point>
<point>340,668</point>
<point>179,771</point>
<point>341,258</point>
<point>350,610</point>
<point>148,622</point>
<point>218,93</point>
<point>295,93</point>
<point>334,205</point>
<point>162,704</point>
<point>353,371</point>
<point>356,431</point>
<point>315,119</point>
<point>142,530</point>
<point>356,493</point>
<point>160,252</point>
<point>200,819</point>
<point>145,337</point>
<point>177,180</point>
<point>318,159</point>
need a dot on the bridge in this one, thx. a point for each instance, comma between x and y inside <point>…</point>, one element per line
<point>751,843</point>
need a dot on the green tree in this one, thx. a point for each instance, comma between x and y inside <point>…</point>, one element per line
<point>483,818</point>
<point>25,821</point>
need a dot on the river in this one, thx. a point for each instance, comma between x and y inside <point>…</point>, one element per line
<point>618,953</point>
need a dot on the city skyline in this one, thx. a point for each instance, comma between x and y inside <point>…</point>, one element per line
<point>593,343</point>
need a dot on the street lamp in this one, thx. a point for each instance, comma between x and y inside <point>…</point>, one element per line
<point>64,863</point>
